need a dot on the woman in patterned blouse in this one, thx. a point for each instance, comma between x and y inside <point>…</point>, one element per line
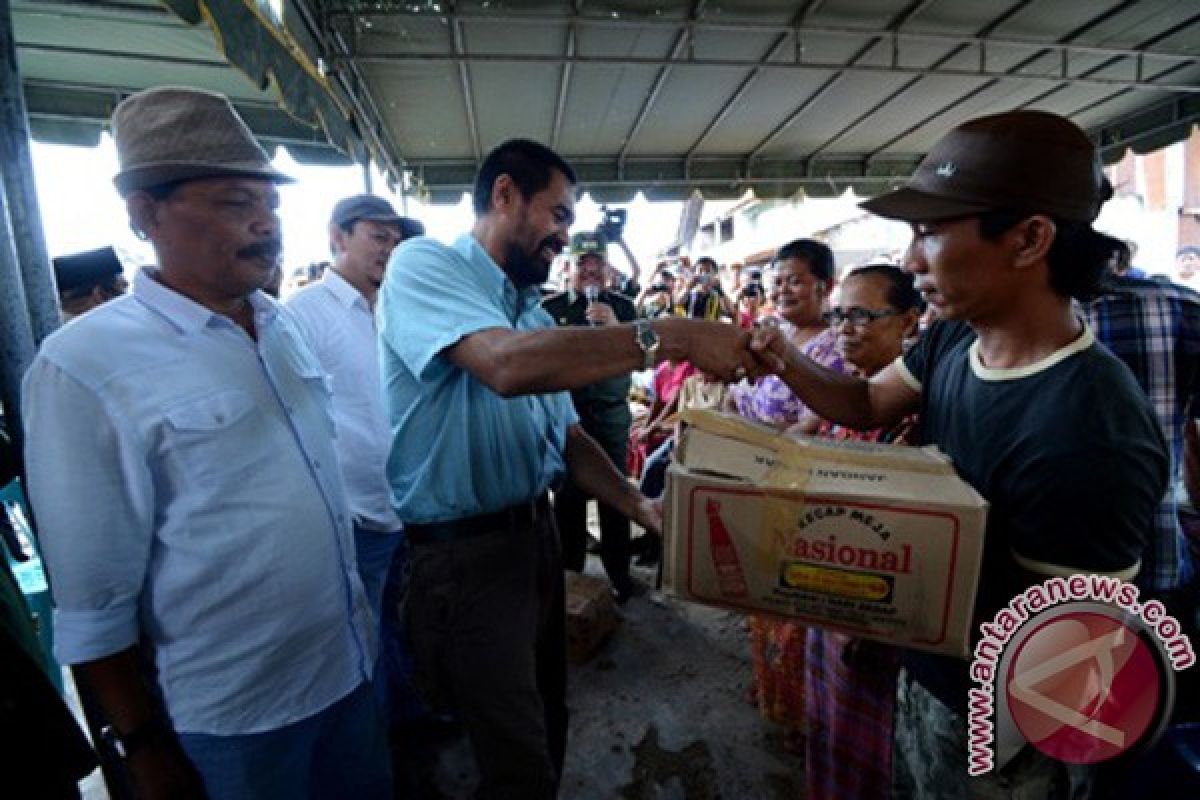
<point>799,283</point>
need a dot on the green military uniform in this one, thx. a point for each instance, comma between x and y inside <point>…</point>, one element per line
<point>603,409</point>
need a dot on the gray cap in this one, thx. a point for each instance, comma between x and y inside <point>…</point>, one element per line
<point>372,207</point>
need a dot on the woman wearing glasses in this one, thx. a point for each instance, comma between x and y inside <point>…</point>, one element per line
<point>798,283</point>
<point>850,684</point>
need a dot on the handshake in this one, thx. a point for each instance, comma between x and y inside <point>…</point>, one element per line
<point>726,351</point>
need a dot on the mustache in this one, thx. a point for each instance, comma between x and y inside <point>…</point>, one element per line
<point>555,243</point>
<point>267,247</point>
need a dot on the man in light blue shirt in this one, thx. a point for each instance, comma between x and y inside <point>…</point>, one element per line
<point>474,372</point>
<point>181,464</point>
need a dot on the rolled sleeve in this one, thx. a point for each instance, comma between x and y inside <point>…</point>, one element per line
<point>81,636</point>
<point>90,489</point>
<point>429,302</point>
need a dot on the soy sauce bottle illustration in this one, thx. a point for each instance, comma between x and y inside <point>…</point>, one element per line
<point>730,577</point>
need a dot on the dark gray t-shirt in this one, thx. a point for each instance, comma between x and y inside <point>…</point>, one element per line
<point>1067,452</point>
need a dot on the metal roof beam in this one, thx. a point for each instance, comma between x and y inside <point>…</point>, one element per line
<point>683,37</point>
<point>90,7</point>
<point>806,66</point>
<point>1115,60</point>
<point>855,123</point>
<point>564,83</point>
<point>709,24</point>
<point>121,54</point>
<point>958,101</point>
<point>893,26</point>
<point>740,92</point>
<point>458,44</point>
<point>362,102</point>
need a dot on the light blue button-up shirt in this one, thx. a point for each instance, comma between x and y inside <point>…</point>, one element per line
<point>186,488</point>
<point>458,448</point>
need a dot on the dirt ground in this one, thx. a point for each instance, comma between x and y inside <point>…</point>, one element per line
<point>660,713</point>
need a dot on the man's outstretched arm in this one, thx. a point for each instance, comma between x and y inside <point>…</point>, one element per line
<point>515,363</point>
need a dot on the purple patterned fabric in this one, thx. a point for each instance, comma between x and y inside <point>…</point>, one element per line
<point>769,400</point>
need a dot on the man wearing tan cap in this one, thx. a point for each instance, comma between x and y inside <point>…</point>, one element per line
<point>1044,422</point>
<point>181,463</point>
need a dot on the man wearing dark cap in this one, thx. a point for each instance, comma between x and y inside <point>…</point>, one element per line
<point>1044,422</point>
<point>181,464</point>
<point>337,315</point>
<point>603,409</point>
<point>88,279</point>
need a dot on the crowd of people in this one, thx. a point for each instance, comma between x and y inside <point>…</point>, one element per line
<point>286,538</point>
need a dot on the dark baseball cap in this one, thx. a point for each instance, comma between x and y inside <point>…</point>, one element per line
<point>589,243</point>
<point>374,208</point>
<point>86,270</point>
<point>1020,160</point>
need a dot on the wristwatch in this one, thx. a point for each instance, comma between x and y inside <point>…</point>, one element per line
<point>647,340</point>
<point>125,745</point>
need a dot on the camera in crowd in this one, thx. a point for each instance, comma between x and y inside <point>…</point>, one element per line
<point>612,223</point>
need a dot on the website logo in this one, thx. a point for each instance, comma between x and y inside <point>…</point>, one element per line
<point>1077,668</point>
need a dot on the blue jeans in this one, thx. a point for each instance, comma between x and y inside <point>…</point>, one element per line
<point>383,567</point>
<point>339,752</point>
<point>375,551</point>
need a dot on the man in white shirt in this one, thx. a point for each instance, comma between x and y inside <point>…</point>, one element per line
<point>337,315</point>
<point>179,445</point>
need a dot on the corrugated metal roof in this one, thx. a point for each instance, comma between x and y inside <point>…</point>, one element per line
<point>665,96</point>
<point>767,94</point>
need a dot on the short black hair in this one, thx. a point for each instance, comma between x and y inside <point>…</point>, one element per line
<point>531,166</point>
<point>1078,257</point>
<point>707,260</point>
<point>902,293</point>
<point>816,254</point>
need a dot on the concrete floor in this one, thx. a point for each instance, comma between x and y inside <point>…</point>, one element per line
<point>660,714</point>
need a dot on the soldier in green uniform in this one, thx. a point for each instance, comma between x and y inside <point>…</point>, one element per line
<point>603,409</point>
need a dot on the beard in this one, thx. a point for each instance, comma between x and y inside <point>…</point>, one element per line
<point>529,268</point>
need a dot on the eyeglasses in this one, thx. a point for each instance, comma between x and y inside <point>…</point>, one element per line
<point>858,317</point>
<point>793,281</point>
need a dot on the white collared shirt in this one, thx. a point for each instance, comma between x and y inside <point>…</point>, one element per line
<point>186,490</point>
<point>340,327</point>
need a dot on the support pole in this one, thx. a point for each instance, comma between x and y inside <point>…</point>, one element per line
<point>24,215</point>
<point>16,334</point>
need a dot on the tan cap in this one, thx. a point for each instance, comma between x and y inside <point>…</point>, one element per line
<point>171,133</point>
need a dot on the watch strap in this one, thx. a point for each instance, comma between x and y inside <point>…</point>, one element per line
<point>648,341</point>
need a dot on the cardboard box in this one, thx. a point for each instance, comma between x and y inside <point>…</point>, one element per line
<point>591,615</point>
<point>880,541</point>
